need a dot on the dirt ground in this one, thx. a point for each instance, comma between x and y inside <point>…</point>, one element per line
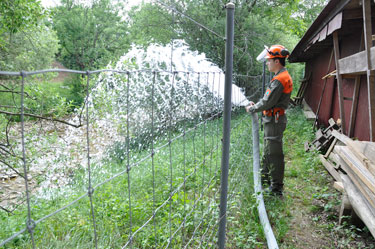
<point>61,75</point>
<point>313,226</point>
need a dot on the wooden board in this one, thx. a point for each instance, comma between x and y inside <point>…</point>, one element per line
<point>339,186</point>
<point>336,159</point>
<point>358,150</point>
<point>346,208</point>
<point>367,149</point>
<point>355,64</point>
<point>310,116</point>
<point>358,168</point>
<point>330,168</point>
<point>359,204</point>
<point>330,148</point>
<point>365,191</point>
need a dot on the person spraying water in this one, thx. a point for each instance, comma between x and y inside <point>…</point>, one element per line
<point>273,105</point>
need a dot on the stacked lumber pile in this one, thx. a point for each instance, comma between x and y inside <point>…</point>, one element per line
<point>352,165</point>
<point>323,137</point>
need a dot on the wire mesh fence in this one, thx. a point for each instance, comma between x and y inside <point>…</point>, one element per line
<point>137,165</point>
<point>140,168</point>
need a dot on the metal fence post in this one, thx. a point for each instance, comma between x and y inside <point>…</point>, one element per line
<point>226,122</point>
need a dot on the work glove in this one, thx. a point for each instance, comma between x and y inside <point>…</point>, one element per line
<point>250,108</point>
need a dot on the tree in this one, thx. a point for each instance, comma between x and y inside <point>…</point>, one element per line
<point>18,15</point>
<point>291,16</point>
<point>251,30</point>
<point>90,36</point>
<point>26,43</point>
<point>148,24</point>
<point>257,23</point>
<point>31,49</point>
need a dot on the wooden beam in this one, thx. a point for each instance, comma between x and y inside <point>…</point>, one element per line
<point>330,168</point>
<point>339,80</point>
<point>358,150</point>
<point>359,204</point>
<point>358,169</point>
<point>353,112</point>
<point>357,84</point>
<point>356,64</point>
<point>371,100</point>
<point>366,5</point>
<point>351,14</point>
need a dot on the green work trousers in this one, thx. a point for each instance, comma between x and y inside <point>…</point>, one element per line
<point>273,157</point>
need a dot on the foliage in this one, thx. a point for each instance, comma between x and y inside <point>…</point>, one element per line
<point>77,89</point>
<point>31,49</point>
<point>26,42</point>
<point>41,97</point>
<point>149,24</point>
<point>306,181</point>
<point>257,23</point>
<point>289,16</point>
<point>17,16</point>
<point>90,36</point>
<point>72,228</point>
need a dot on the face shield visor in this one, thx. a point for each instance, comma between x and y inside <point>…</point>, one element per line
<point>262,56</point>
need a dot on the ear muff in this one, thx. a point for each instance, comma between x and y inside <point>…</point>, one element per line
<point>285,52</point>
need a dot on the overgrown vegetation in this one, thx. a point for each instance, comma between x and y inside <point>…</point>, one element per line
<point>92,36</point>
<point>308,217</point>
<point>308,196</point>
<point>193,159</point>
<point>41,97</point>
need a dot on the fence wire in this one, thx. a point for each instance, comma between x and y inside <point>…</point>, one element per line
<point>139,169</point>
<point>185,140</point>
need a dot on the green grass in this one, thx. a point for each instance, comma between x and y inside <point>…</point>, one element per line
<point>307,190</point>
<point>196,156</point>
<point>41,97</point>
<point>308,194</point>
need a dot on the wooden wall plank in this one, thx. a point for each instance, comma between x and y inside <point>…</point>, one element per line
<point>359,204</point>
<point>366,6</point>
<point>353,111</point>
<point>357,84</point>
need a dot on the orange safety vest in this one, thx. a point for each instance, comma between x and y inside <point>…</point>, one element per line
<point>285,79</point>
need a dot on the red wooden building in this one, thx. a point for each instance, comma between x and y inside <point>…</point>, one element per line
<point>339,66</point>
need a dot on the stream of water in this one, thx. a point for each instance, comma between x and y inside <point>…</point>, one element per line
<point>150,96</point>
